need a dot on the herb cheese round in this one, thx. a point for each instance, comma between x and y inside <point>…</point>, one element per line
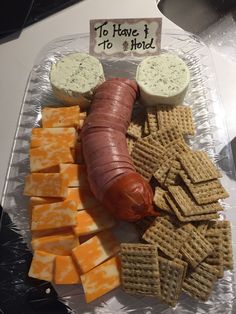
<point>75,77</point>
<point>162,79</point>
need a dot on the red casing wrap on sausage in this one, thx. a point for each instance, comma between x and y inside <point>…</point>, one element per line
<point>111,173</point>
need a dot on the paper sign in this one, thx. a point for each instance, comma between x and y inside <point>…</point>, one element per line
<point>119,37</point>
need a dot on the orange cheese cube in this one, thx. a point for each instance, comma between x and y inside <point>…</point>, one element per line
<point>83,197</point>
<point>101,279</point>
<point>47,156</point>
<point>75,174</point>
<point>59,244</point>
<point>60,117</point>
<point>41,200</point>
<point>95,251</point>
<point>54,216</point>
<point>93,220</point>
<point>65,271</point>
<point>42,266</point>
<point>46,185</point>
<point>60,136</point>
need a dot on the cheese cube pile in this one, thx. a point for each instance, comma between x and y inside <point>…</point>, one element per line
<point>62,208</point>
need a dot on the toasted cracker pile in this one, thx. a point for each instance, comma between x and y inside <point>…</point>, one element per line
<point>187,248</point>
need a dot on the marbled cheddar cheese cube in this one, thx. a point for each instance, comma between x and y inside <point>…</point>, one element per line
<point>60,136</point>
<point>83,197</point>
<point>42,266</point>
<point>59,244</point>
<point>76,174</point>
<point>54,216</point>
<point>95,251</point>
<point>46,185</point>
<point>47,156</point>
<point>66,271</point>
<point>60,117</point>
<point>93,220</point>
<point>41,200</point>
<point>101,279</point>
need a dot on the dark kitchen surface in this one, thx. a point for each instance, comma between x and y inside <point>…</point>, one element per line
<point>20,294</point>
<point>15,14</point>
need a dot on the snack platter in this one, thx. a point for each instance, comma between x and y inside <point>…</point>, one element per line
<point>211,136</point>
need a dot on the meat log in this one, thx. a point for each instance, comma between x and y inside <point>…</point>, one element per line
<point>111,173</point>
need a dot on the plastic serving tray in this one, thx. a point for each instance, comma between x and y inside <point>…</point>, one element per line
<point>211,136</point>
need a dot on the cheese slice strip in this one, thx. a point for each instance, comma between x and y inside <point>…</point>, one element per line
<point>83,197</point>
<point>60,117</point>
<point>101,279</point>
<point>60,244</point>
<point>43,200</point>
<point>46,185</point>
<point>44,233</point>
<point>93,220</point>
<point>60,136</point>
<point>55,169</point>
<point>75,174</point>
<point>42,266</point>
<point>95,251</point>
<point>47,156</point>
<point>66,271</point>
<point>54,216</point>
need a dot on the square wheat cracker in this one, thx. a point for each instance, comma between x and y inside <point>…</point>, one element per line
<point>146,158</point>
<point>224,227</point>
<point>216,257</point>
<point>188,205</point>
<point>140,269</point>
<point>167,236</point>
<point>179,214</point>
<point>199,167</point>
<point>171,277</point>
<point>205,192</point>
<point>178,115</point>
<point>196,249</point>
<point>200,282</point>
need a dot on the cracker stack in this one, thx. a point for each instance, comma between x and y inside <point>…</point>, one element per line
<point>187,248</point>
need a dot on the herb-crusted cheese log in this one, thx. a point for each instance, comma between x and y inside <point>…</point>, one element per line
<point>75,77</point>
<point>162,79</point>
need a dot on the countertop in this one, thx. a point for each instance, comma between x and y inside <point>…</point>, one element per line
<point>17,58</point>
